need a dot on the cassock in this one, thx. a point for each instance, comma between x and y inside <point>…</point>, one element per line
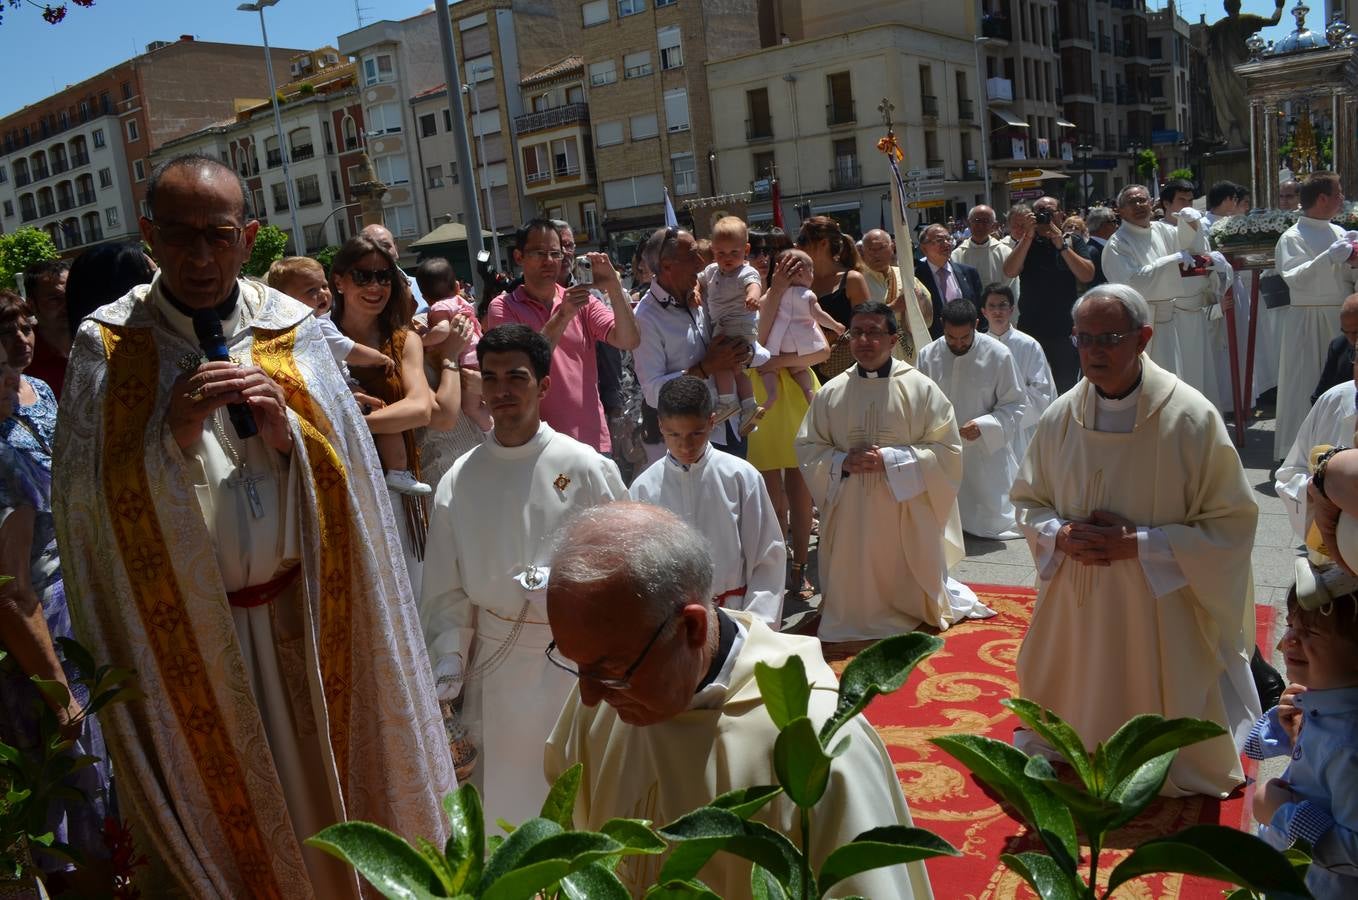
<point>887,539</point>
<point>724,497</point>
<point>724,741</point>
<point>261,599</point>
<point>1318,286</point>
<point>484,602</point>
<point>1148,259</point>
<point>984,387</point>
<point>1038,385</point>
<point>1331,421</point>
<point>1171,631</point>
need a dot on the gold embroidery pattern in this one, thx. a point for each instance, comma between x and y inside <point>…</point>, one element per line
<point>331,481</point>
<point>132,376</point>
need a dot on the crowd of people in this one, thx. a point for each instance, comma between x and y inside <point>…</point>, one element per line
<point>363,537</point>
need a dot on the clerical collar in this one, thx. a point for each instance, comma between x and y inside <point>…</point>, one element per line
<point>224,310</point>
<point>726,637</point>
<point>1125,394</point>
<point>697,462</point>
<point>883,372</point>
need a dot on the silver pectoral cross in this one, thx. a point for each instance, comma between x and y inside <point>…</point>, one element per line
<point>243,479</point>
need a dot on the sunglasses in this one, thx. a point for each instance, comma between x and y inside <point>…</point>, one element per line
<point>365,277</point>
<point>174,234</point>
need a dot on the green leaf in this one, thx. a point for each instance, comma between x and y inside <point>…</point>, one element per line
<point>442,871</point>
<point>559,806</point>
<point>763,886</point>
<point>78,656</point>
<point>507,856</point>
<point>547,861</point>
<point>745,802</point>
<point>1142,739</point>
<point>882,668</point>
<point>635,835</point>
<point>9,754</point>
<point>389,864</point>
<point>465,850</point>
<point>1135,792</point>
<point>686,889</point>
<point>803,768</point>
<point>702,833</point>
<point>54,692</point>
<point>1215,851</point>
<point>1000,767</point>
<point>594,882</point>
<point>879,847</point>
<point>1047,877</point>
<point>785,690</point>
<point>1093,814</point>
<point>1062,738</point>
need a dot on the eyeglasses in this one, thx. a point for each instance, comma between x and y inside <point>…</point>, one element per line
<point>540,255</point>
<point>613,684</point>
<point>867,334</point>
<point>365,277</point>
<point>1111,339</point>
<point>174,234</point>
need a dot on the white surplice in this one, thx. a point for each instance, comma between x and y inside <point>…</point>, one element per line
<point>1038,384</point>
<point>987,259</point>
<point>1331,421</point>
<point>483,606</point>
<point>984,387</point>
<point>887,539</point>
<point>1318,287</point>
<point>1148,260</point>
<point>724,742</point>
<point>725,499</point>
<point>1170,631</point>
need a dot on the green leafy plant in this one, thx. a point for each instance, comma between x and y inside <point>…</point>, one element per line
<point>1185,174</point>
<point>1146,163</point>
<point>271,243</point>
<point>306,89</point>
<point>326,256</point>
<point>1112,786</point>
<point>22,249</point>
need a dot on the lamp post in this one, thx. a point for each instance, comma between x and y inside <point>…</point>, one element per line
<point>259,6</point>
<point>1082,153</point>
<point>470,89</point>
<point>983,103</point>
<point>461,145</point>
<point>712,168</point>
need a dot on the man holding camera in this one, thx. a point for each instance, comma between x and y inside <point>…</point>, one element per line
<point>572,320</point>
<point>1050,268</point>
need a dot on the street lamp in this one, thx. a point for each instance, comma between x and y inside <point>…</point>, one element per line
<point>983,102</point>
<point>259,6</point>
<point>470,89</point>
<point>1082,154</point>
<point>712,168</point>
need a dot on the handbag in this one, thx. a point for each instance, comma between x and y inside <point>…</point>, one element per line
<point>840,358</point>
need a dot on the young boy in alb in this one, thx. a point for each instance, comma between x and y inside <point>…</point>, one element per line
<point>722,496</point>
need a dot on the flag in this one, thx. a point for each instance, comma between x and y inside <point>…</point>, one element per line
<point>671,220</point>
<point>776,195</point>
<point>905,253</point>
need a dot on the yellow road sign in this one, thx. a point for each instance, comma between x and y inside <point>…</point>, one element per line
<point>1024,175</point>
<point>925,204</point>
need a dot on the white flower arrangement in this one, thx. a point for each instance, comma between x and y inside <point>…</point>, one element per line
<point>1263,228</point>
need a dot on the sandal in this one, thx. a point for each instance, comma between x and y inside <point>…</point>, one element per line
<point>797,581</point>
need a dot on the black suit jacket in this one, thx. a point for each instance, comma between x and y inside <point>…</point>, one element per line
<point>1338,366</point>
<point>1094,251</point>
<point>968,280</point>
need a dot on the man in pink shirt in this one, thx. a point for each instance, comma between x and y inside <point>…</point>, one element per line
<point>572,320</point>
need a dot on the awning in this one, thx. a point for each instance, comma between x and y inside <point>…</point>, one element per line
<point>835,207</point>
<point>1063,123</point>
<point>447,233</point>
<point>1009,118</point>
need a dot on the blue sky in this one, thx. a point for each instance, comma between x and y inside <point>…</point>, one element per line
<point>51,56</point>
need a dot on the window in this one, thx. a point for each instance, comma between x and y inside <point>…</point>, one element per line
<point>480,68</point>
<point>840,90</point>
<point>139,169</point>
<point>257,203</point>
<point>350,132</point>
<point>589,221</point>
<point>299,144</point>
<point>313,236</point>
<point>660,3</point>
<point>644,126</point>
<point>763,165</point>
<point>400,219</point>
<point>760,122</point>
<point>280,197</point>
<point>127,90</point>
<point>329,141</point>
<point>273,156</point>
<point>535,169</point>
<point>429,125</point>
<point>336,194</point>
<point>635,65</point>
<point>630,7</point>
<point>105,178</point>
<point>9,209</point>
<point>671,47</point>
<point>676,110</point>
<point>111,216</point>
<point>384,118</point>
<point>595,12</point>
<point>685,173</point>
<point>447,120</point>
<point>377,69</point>
<point>565,157</point>
<point>309,190</point>
<point>392,169</point>
<point>433,176</point>
<point>638,191</point>
<point>602,73</point>
<point>606,134</point>
<point>133,133</point>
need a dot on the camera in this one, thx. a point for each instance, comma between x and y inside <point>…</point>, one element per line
<point>1043,216</point>
<point>584,270</point>
<point>495,281</point>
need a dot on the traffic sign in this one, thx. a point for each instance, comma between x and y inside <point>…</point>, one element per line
<point>1025,175</point>
<point>916,174</point>
<point>1087,181</point>
<point>1030,194</point>
<point>925,204</point>
<point>1025,185</point>
<point>924,192</point>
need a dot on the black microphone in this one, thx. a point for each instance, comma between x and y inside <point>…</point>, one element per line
<point>208,326</point>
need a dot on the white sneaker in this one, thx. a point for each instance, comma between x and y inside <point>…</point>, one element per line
<point>726,410</point>
<point>749,419</point>
<point>402,482</point>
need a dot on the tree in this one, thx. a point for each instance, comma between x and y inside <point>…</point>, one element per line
<point>22,249</point>
<point>270,244</point>
<point>1185,174</point>
<point>52,13</point>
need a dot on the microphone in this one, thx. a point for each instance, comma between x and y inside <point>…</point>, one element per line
<point>207,325</point>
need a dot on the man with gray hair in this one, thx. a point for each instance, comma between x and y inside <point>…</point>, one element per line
<point>1141,523</point>
<point>1101,222</point>
<point>667,713</point>
<point>983,251</point>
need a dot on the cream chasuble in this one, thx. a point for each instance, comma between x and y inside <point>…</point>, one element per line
<point>263,724</point>
<point>483,605</point>
<point>1318,286</point>
<point>1148,260</point>
<point>887,540</point>
<point>724,497</point>
<point>1331,421</point>
<point>1038,384</point>
<point>1170,637</point>
<point>984,387</point>
<point>988,259</point>
<point>662,771</point>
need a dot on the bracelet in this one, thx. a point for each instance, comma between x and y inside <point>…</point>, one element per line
<point>1322,463</point>
<point>452,365</point>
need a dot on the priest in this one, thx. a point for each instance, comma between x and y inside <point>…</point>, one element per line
<point>1141,522</point>
<point>495,515</point>
<point>1035,375</point>
<point>978,376</point>
<point>880,451</point>
<point>668,714</point>
<point>225,532</point>
<point>1333,420</point>
<point>983,251</point>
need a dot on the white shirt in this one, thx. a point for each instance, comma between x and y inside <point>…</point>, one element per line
<point>1331,421</point>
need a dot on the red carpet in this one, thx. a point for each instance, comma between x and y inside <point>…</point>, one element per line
<point>958,691</point>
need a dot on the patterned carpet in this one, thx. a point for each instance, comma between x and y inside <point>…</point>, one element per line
<point>958,691</point>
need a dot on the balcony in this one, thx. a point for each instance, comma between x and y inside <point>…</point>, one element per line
<point>350,143</point>
<point>83,198</point>
<point>846,176</point>
<point>80,159</point>
<point>758,129</point>
<point>303,151</point>
<point>94,232</point>
<point>928,106</point>
<point>46,209</point>
<point>761,189</point>
<point>996,27</point>
<point>1108,94</point>
<point>65,203</point>
<point>934,163</point>
<point>537,177</point>
<point>570,114</point>
<point>273,158</point>
<point>280,204</point>
<point>40,172</point>
<point>59,166</point>
<point>966,110</point>
<point>21,179</point>
<point>840,113</point>
<point>569,170</point>
<point>1105,44</point>
<point>28,214</point>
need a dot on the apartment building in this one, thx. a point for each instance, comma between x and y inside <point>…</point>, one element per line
<point>1172,49</point>
<point>75,164</point>
<point>323,125</point>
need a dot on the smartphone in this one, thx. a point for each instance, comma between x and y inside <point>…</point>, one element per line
<point>584,270</point>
